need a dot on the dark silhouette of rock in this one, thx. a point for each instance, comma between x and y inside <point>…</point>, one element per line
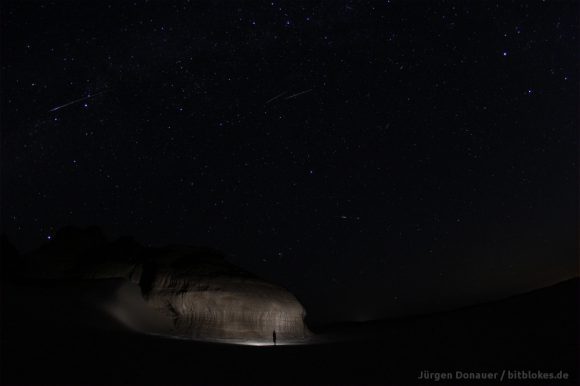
<point>69,248</point>
<point>12,263</point>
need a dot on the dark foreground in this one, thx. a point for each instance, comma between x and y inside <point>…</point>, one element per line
<point>532,332</point>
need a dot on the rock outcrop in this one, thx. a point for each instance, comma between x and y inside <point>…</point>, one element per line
<point>189,291</point>
<point>210,298</point>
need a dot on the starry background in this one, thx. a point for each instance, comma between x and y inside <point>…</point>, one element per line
<point>428,160</point>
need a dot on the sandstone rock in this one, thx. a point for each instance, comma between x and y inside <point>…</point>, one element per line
<point>183,291</point>
<point>215,300</point>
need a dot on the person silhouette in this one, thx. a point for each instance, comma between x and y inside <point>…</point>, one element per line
<point>274,337</point>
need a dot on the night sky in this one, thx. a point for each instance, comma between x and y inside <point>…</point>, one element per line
<point>376,158</point>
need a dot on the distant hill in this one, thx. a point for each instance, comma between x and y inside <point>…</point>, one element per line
<point>560,299</point>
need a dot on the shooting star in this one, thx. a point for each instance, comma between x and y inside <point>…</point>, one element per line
<point>276,97</point>
<point>298,94</point>
<point>89,96</point>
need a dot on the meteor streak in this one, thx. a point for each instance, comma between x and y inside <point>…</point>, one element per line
<point>276,97</point>
<point>298,94</point>
<point>89,96</point>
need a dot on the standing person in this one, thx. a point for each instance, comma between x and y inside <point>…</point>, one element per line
<point>274,337</point>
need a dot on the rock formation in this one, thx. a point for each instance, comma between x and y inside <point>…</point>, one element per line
<point>188,291</point>
<point>210,298</point>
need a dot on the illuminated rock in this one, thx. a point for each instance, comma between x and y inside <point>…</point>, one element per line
<point>182,291</point>
<point>223,306</point>
<point>207,297</point>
